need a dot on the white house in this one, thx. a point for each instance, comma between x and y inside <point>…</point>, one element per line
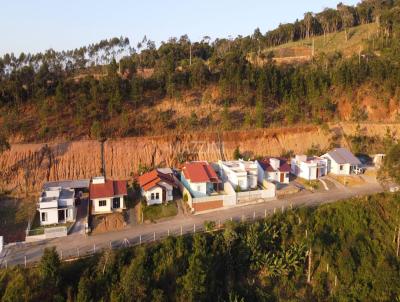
<point>341,161</point>
<point>200,179</point>
<point>241,174</point>
<point>107,196</point>
<point>309,168</point>
<point>56,205</point>
<point>157,186</point>
<point>275,169</point>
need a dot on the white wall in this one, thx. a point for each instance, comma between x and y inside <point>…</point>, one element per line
<point>335,168</point>
<point>97,209</point>
<point>52,216</point>
<point>276,176</point>
<point>197,189</point>
<point>154,200</point>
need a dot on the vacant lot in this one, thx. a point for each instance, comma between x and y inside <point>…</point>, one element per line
<point>14,216</point>
<point>155,212</point>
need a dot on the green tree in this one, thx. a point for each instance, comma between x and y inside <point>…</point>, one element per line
<point>194,282</point>
<point>193,120</point>
<point>96,131</point>
<point>135,281</point>
<point>4,144</point>
<point>49,267</point>
<point>85,289</point>
<point>226,118</point>
<point>17,289</point>
<point>60,95</point>
<point>260,117</point>
<point>392,162</point>
<point>236,153</point>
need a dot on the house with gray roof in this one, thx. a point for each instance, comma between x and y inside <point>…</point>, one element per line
<point>341,161</point>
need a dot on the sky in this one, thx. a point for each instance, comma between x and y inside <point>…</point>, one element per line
<point>37,25</point>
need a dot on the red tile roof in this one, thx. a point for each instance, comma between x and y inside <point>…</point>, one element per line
<point>151,179</point>
<point>200,172</point>
<point>110,188</point>
<point>283,165</point>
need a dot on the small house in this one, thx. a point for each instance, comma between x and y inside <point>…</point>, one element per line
<point>200,178</point>
<point>107,196</point>
<point>309,168</point>
<point>56,206</point>
<point>275,169</point>
<point>341,161</point>
<point>157,186</point>
<point>241,174</point>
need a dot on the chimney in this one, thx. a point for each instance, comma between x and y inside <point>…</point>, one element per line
<point>98,180</point>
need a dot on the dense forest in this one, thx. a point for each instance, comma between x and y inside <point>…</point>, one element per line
<point>102,90</point>
<point>345,251</point>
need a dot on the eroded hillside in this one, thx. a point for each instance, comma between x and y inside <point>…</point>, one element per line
<point>25,167</point>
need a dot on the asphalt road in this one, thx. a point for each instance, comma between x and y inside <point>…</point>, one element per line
<point>77,245</point>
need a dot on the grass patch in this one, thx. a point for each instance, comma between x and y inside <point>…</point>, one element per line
<point>311,185</point>
<point>331,43</point>
<point>159,211</point>
<point>350,181</point>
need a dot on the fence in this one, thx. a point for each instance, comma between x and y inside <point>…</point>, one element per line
<point>16,257</point>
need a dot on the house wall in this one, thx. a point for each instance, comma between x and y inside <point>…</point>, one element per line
<point>52,216</point>
<point>260,173</point>
<point>335,168</point>
<point>154,200</point>
<point>197,189</point>
<point>276,176</point>
<point>252,181</point>
<point>235,178</point>
<point>307,171</point>
<point>96,209</point>
<point>208,205</point>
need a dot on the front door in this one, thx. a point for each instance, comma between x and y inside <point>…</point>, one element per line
<point>282,177</point>
<point>61,215</point>
<point>116,203</point>
<point>164,195</point>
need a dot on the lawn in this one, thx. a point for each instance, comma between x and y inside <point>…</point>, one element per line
<point>156,212</point>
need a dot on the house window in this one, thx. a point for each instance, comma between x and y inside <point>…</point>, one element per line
<point>157,195</point>
<point>44,216</point>
<point>152,196</point>
<point>198,188</point>
<point>66,213</point>
<point>102,203</point>
<point>341,167</point>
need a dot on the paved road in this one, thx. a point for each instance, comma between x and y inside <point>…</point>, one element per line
<point>77,245</point>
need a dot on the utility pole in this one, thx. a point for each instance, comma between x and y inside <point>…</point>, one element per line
<point>398,242</point>
<point>309,266</point>
<point>190,55</point>
<point>313,47</point>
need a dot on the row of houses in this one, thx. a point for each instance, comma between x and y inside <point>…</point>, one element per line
<point>203,185</point>
<point>225,183</point>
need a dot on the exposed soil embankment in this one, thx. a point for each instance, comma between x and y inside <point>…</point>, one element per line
<point>26,167</point>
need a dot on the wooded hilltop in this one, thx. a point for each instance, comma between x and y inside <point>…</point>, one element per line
<point>112,89</point>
